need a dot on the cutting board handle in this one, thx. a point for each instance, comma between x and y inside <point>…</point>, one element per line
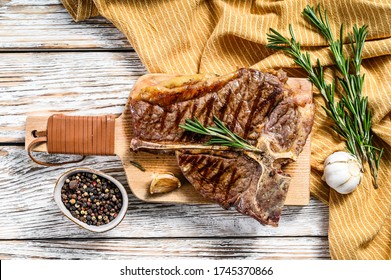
<point>81,135</point>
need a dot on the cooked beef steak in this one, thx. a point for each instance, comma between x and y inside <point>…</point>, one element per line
<point>235,179</point>
<point>257,106</point>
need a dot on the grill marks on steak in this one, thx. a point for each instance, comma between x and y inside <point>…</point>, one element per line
<point>242,102</point>
<point>233,179</point>
<point>215,173</point>
<point>257,106</point>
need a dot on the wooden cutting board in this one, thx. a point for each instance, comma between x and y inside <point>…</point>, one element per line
<point>139,181</point>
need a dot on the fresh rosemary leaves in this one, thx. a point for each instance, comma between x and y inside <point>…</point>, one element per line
<point>137,165</point>
<point>221,135</point>
<point>351,114</point>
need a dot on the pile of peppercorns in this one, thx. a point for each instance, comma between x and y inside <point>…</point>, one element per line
<point>91,199</point>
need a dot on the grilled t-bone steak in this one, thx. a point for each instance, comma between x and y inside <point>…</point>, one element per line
<point>257,106</point>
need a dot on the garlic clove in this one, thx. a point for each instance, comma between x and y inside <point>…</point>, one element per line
<point>354,168</point>
<point>163,183</point>
<point>349,186</point>
<point>339,157</point>
<point>336,174</point>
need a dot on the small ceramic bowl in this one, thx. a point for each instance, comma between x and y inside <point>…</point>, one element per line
<point>102,228</point>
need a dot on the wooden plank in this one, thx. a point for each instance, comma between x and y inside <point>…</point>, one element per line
<point>29,211</point>
<point>78,83</point>
<point>45,24</point>
<point>272,248</point>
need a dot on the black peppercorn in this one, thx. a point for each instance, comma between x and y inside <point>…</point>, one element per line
<point>91,198</point>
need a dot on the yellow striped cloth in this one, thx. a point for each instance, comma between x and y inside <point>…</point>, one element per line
<point>179,36</point>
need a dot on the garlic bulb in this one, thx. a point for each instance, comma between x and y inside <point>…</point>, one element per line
<point>342,172</point>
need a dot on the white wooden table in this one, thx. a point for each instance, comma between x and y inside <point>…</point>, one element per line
<point>50,64</point>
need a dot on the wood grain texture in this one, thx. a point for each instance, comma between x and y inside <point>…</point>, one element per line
<point>180,248</point>
<point>45,24</point>
<point>77,83</point>
<point>26,191</point>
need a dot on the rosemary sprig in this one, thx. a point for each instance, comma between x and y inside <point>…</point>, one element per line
<point>137,165</point>
<point>220,134</point>
<point>351,114</point>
